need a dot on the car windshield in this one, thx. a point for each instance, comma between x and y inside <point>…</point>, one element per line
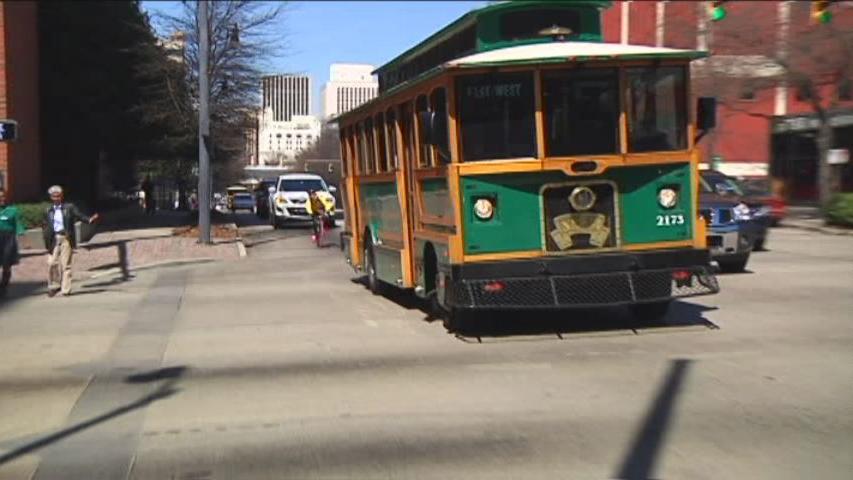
<point>719,184</point>
<point>302,185</point>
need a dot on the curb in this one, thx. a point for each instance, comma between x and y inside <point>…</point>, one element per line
<point>821,229</point>
<point>241,247</point>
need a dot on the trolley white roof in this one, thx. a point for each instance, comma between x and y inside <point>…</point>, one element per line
<point>569,51</point>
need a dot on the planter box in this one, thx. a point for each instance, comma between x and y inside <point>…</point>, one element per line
<point>33,239</point>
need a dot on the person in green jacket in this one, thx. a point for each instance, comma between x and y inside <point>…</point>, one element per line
<point>10,227</point>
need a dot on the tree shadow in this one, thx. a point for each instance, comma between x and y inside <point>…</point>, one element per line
<point>169,376</point>
<point>639,461</point>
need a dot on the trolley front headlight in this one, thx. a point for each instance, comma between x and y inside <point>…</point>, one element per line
<point>484,208</point>
<point>667,197</point>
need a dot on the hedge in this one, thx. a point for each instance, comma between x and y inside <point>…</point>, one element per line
<point>32,213</point>
<point>839,211</point>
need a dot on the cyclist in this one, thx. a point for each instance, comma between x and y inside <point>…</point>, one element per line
<point>317,209</point>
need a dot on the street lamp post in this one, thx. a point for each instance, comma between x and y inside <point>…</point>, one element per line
<point>204,185</point>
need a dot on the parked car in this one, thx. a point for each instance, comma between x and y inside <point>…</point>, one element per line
<point>736,225</point>
<point>757,193</point>
<point>243,201</point>
<point>290,197</point>
<point>262,196</point>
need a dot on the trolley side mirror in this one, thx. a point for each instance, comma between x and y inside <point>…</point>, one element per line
<point>706,115</point>
<point>433,127</point>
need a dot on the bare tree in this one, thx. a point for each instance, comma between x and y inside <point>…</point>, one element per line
<point>245,37</point>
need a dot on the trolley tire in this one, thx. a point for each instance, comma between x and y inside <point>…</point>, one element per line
<point>733,266</point>
<point>373,283</point>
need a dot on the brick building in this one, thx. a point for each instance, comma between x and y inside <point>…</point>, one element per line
<point>767,124</point>
<point>20,160</point>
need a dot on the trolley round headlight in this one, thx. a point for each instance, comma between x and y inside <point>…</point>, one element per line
<point>667,197</point>
<point>582,198</point>
<point>484,209</point>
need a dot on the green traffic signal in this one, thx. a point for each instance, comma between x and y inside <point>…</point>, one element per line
<point>824,16</point>
<point>718,13</point>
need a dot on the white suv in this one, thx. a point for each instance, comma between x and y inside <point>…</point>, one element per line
<point>289,197</point>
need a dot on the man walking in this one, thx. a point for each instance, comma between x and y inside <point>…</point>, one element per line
<point>148,191</point>
<point>60,239</point>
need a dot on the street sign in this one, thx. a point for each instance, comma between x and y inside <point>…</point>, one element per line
<point>8,130</point>
<point>838,156</point>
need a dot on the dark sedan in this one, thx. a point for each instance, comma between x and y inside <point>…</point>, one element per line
<point>737,224</point>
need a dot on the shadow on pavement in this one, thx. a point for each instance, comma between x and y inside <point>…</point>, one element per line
<point>639,461</point>
<point>166,389</point>
<point>509,323</point>
<point>20,290</point>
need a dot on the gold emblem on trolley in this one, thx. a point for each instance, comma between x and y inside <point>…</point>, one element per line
<point>571,224</point>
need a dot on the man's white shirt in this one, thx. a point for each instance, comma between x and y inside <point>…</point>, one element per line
<point>58,220</point>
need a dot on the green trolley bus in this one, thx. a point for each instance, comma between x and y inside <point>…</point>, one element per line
<point>514,160</point>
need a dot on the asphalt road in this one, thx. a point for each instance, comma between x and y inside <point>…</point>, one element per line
<point>283,365</point>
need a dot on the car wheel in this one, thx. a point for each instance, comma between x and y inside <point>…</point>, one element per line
<point>733,266</point>
<point>373,282</point>
<point>647,313</point>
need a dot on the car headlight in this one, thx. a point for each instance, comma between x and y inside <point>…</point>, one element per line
<point>667,197</point>
<point>280,201</point>
<point>484,209</point>
<point>741,212</point>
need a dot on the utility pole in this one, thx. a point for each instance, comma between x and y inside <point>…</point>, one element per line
<point>204,184</point>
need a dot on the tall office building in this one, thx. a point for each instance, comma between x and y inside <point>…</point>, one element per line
<point>350,85</point>
<point>287,95</point>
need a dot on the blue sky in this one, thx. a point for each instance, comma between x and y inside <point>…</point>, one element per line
<point>319,33</point>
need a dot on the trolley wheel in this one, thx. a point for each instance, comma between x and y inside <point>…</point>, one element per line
<point>373,282</point>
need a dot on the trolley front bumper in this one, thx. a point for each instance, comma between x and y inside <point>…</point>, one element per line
<point>580,281</point>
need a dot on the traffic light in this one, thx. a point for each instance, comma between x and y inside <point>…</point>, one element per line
<point>820,11</point>
<point>717,11</point>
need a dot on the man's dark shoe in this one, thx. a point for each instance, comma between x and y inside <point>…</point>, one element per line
<point>52,293</point>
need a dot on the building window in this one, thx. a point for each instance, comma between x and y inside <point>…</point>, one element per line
<point>845,90</point>
<point>747,93</point>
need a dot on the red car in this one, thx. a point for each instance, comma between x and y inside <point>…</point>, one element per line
<point>758,192</point>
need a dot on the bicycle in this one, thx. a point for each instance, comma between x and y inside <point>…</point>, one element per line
<point>319,230</point>
<point>323,223</point>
